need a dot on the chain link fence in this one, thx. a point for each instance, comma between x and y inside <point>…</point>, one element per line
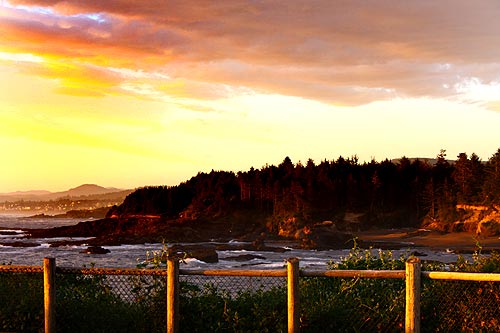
<point>233,303</point>
<point>110,303</point>
<point>94,300</point>
<point>232,286</point>
<point>330,304</point>
<point>21,299</point>
<point>460,306</point>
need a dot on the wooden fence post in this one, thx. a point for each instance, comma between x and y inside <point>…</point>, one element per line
<point>172,296</point>
<point>413,278</point>
<point>49,294</point>
<point>293,295</point>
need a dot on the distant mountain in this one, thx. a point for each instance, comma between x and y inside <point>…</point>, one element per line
<point>27,193</point>
<point>85,190</point>
<point>23,195</point>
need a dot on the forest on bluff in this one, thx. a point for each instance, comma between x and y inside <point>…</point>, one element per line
<point>400,193</point>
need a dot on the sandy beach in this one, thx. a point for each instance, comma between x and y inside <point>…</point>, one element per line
<point>459,242</point>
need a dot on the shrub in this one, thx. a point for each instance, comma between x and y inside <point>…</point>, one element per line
<point>21,300</point>
<point>87,303</point>
<point>211,309</point>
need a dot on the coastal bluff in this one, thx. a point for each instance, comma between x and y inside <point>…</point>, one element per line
<point>316,206</point>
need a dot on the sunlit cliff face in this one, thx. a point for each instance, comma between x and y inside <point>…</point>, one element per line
<point>133,93</point>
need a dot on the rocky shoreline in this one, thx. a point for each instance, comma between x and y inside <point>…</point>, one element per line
<point>152,229</point>
<point>115,231</point>
<point>208,237</point>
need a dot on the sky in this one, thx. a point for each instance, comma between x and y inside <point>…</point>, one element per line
<point>129,93</point>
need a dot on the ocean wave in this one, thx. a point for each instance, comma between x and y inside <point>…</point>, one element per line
<point>148,246</point>
<point>231,252</point>
<point>272,265</point>
<point>17,231</point>
<point>237,242</point>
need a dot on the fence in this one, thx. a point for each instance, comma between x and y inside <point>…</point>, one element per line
<point>60,299</point>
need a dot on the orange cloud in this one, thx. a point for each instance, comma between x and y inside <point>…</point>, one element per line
<point>340,52</point>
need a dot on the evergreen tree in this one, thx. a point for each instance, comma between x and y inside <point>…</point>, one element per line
<point>491,188</point>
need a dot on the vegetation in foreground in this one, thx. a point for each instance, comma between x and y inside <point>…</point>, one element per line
<point>137,304</point>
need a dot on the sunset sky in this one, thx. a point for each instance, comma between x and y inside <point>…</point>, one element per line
<point>131,93</point>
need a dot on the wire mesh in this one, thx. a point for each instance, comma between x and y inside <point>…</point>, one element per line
<point>21,300</point>
<point>110,303</point>
<point>233,285</point>
<point>233,303</point>
<point>352,305</point>
<point>460,306</point>
<point>135,301</point>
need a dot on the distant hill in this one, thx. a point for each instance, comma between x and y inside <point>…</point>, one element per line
<point>23,195</point>
<point>92,191</point>
<point>85,190</point>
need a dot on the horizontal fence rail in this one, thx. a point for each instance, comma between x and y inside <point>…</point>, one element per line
<point>417,284</point>
<point>370,274</point>
<point>20,269</point>
<point>462,276</point>
<point>234,272</point>
<point>111,271</point>
<point>373,274</point>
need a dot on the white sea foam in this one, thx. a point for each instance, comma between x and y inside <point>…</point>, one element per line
<point>273,265</point>
<point>17,231</point>
<point>232,252</point>
<point>192,261</point>
<point>237,242</point>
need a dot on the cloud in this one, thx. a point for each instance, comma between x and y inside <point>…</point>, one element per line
<point>339,52</point>
<point>83,36</point>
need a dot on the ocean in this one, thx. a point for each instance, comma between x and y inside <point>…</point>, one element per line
<point>128,256</point>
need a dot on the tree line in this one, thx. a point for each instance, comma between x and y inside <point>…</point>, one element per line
<point>403,192</point>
